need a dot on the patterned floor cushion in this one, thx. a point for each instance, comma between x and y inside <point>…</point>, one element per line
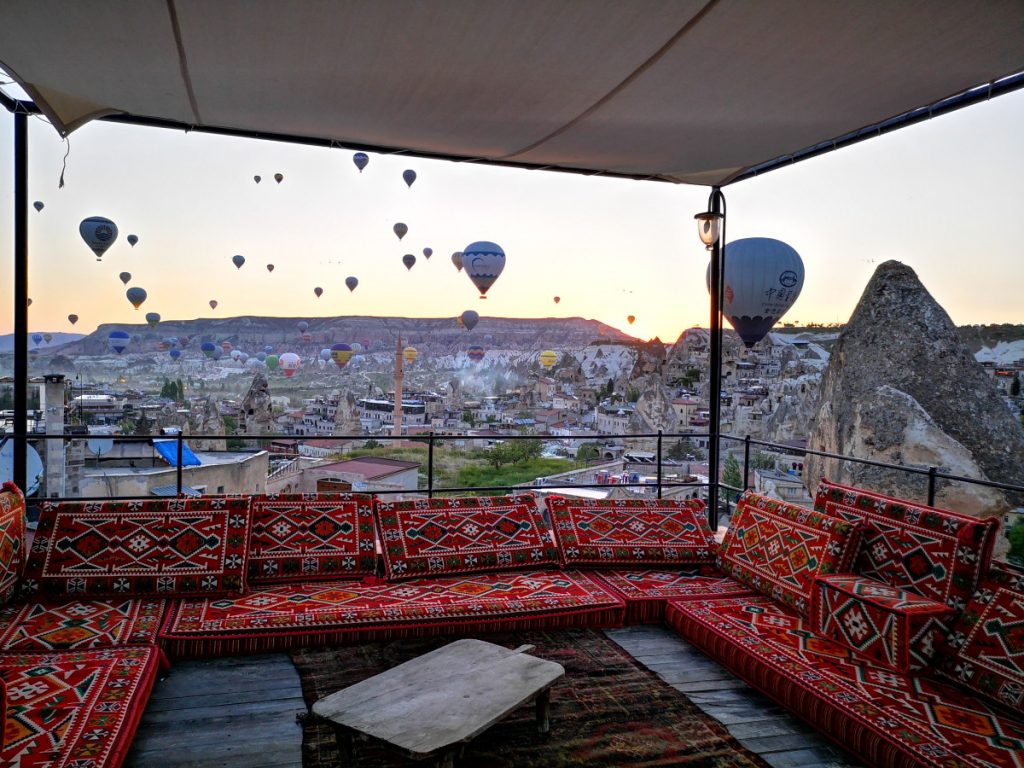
<point>80,624</point>
<point>74,709</point>
<point>435,537</point>
<point>292,615</point>
<point>12,539</point>
<point>886,718</point>
<point>139,548</point>
<point>778,549</point>
<point>298,537</point>
<point>986,642</point>
<point>646,590</point>
<point>934,552</point>
<point>631,531</point>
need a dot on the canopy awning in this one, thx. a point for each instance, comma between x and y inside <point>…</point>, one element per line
<point>168,450</point>
<point>696,91</point>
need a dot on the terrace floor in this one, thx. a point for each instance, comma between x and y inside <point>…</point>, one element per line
<point>240,712</point>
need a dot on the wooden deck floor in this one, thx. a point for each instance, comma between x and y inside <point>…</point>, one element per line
<point>240,713</point>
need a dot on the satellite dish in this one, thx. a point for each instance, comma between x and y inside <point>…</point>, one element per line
<point>99,445</point>
<point>34,469</point>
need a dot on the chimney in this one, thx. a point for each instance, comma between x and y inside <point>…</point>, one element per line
<point>399,375</point>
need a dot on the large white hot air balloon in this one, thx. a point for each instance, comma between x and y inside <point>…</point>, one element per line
<point>99,234</point>
<point>763,278</point>
<point>483,261</point>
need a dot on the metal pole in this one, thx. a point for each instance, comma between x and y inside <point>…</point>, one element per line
<point>715,394</point>
<point>931,486</point>
<point>659,463</point>
<point>746,461</point>
<point>430,466</point>
<point>21,300</point>
<point>180,446</point>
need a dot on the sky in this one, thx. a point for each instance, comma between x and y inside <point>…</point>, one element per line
<point>942,196</point>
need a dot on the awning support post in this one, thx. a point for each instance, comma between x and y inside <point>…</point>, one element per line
<point>716,204</point>
<point>21,301</point>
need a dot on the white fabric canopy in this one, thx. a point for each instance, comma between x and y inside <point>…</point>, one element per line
<point>695,91</point>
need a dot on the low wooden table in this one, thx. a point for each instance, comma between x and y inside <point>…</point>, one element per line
<point>431,706</point>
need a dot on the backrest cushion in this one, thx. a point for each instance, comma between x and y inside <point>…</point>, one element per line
<point>172,548</point>
<point>936,553</point>
<point>298,537</point>
<point>631,531</point>
<point>779,548</point>
<point>428,537</point>
<point>12,540</point>
<point>985,645</point>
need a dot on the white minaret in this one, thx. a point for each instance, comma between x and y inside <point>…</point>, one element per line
<point>52,405</point>
<point>399,375</point>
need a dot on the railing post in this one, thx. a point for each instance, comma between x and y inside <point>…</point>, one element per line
<point>931,486</point>
<point>659,463</point>
<point>20,222</point>
<point>180,447</point>
<point>430,466</point>
<point>746,461</point>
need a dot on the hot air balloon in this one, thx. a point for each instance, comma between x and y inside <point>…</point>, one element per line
<point>475,353</point>
<point>356,347</point>
<point>253,363</point>
<point>218,353</point>
<point>72,318</point>
<point>226,346</point>
<point>428,252</point>
<point>341,354</point>
<point>409,354</point>
<point>163,346</point>
<point>184,341</point>
<point>261,356</point>
<point>351,283</point>
<point>318,291</point>
<point>118,341</point>
<point>409,176</point>
<point>289,363</point>
<point>136,296</point>
<point>302,325</point>
<point>207,348</point>
<point>213,303</point>
<point>99,234</point>
<point>307,337</point>
<point>457,260</point>
<point>38,205</point>
<point>557,299</point>
<point>152,318</point>
<point>242,357</point>
<point>37,339</point>
<point>270,267</point>
<point>630,319</point>
<point>235,354</point>
<point>132,240</point>
<point>278,177</point>
<point>488,338</point>
<point>126,277</point>
<point>366,343</point>
<point>175,354</point>
<point>325,354</point>
<point>400,230</point>
<point>238,261</point>
<point>268,349</point>
<point>272,362</point>
<point>47,337</point>
<point>548,358</point>
<point>257,179</point>
<point>459,322</point>
<point>484,262</point>
<point>409,260</point>
<point>361,159</point>
<point>763,278</point>
<point>28,303</point>
<point>469,319</point>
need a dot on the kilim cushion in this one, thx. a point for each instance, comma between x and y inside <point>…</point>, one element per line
<point>80,624</point>
<point>12,539</point>
<point>933,552</point>
<point>300,537</point>
<point>124,548</point>
<point>442,536</point>
<point>894,627</point>
<point>281,616</point>
<point>646,590</point>
<point>884,717</point>
<point>74,709</point>
<point>986,641</point>
<point>631,531</point>
<point>778,549</point>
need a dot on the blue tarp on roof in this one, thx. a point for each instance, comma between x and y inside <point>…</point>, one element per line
<point>169,450</point>
<point>172,490</point>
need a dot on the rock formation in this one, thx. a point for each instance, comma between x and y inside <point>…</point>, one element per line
<point>653,411</point>
<point>205,419</point>
<point>256,416</point>
<point>346,416</point>
<point>902,387</point>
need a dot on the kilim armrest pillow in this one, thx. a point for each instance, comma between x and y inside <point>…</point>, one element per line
<point>617,532</point>
<point>305,537</point>
<point>779,549</point>
<point>429,537</point>
<point>894,627</point>
<point>12,540</point>
<point>933,552</point>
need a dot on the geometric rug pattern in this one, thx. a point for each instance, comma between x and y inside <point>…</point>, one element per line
<point>447,536</point>
<point>117,548</point>
<point>74,709</point>
<point>885,717</point>
<point>930,551</point>
<point>631,531</point>
<point>646,590</point>
<point>299,537</point>
<point>80,624</point>
<point>12,539</point>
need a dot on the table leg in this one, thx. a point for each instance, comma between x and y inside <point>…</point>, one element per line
<point>447,759</point>
<point>347,746</point>
<point>543,710</point>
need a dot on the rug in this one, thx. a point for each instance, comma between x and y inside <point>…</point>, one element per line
<point>608,710</point>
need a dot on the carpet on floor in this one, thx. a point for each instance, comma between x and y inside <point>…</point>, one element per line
<point>608,710</point>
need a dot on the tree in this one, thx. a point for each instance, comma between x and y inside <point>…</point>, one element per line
<point>1015,387</point>
<point>169,391</point>
<point>684,447</point>
<point>371,443</point>
<point>467,416</point>
<point>523,451</point>
<point>500,455</point>
<point>1016,537</point>
<point>731,475</point>
<point>588,452</point>
<point>180,392</point>
<point>143,426</point>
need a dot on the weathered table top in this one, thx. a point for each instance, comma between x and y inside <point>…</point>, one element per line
<point>442,698</point>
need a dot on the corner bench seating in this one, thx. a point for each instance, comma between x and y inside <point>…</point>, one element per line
<point>785,602</point>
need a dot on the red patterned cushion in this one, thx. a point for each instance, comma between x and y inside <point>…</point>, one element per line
<point>80,624</point>
<point>443,536</point>
<point>894,627</point>
<point>12,539</point>
<point>300,537</point>
<point>631,531</point>
<point>74,709</point>
<point>321,613</point>
<point>885,717</point>
<point>125,548</point>
<point>646,590</point>
<point>779,549</point>
<point>986,641</point>
<point>933,552</point>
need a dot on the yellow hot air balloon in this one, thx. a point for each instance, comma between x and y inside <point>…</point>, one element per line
<point>548,358</point>
<point>630,319</point>
<point>409,354</point>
